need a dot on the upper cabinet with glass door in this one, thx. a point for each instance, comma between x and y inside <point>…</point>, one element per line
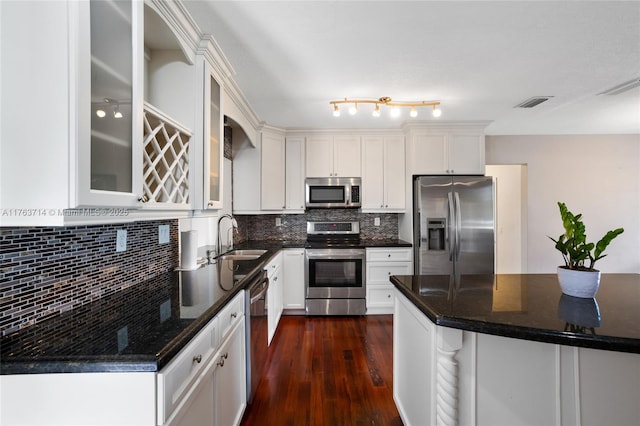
<point>109,138</point>
<point>139,154</point>
<point>212,68</point>
<point>214,144</point>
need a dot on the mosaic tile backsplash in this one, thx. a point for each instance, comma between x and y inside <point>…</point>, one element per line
<point>294,226</point>
<point>46,271</point>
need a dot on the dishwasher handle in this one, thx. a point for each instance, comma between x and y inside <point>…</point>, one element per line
<point>261,285</point>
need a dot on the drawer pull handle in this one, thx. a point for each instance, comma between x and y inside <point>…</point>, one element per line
<point>222,358</point>
<point>197,358</point>
<point>234,315</point>
<point>388,296</point>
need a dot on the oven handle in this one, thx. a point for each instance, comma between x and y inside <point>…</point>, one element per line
<point>336,254</point>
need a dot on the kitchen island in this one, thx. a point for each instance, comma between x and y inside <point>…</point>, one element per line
<point>513,350</point>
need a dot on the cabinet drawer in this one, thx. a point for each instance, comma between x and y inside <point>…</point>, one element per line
<point>381,296</point>
<point>389,254</point>
<point>379,272</point>
<point>274,265</point>
<point>230,315</point>
<point>178,376</point>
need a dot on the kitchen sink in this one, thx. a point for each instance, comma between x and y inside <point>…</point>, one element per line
<point>242,255</point>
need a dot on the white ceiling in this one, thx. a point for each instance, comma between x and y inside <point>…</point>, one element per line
<point>478,58</point>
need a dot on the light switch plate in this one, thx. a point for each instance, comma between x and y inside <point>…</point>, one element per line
<point>165,310</point>
<point>121,240</point>
<point>278,221</point>
<point>163,234</point>
<point>376,221</point>
<point>123,338</point>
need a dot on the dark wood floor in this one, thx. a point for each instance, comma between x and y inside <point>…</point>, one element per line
<point>327,371</point>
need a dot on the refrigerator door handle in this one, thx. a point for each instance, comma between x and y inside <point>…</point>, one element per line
<point>458,224</point>
<point>452,235</point>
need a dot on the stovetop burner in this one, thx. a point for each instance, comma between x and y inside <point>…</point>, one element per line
<point>333,234</point>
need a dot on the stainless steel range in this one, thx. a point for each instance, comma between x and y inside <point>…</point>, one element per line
<point>335,269</point>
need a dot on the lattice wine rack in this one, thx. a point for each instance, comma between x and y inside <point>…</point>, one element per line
<point>166,159</point>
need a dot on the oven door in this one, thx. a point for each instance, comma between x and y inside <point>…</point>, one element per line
<point>335,273</point>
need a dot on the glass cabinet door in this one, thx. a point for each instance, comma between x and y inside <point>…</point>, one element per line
<point>110,80</point>
<point>213,170</point>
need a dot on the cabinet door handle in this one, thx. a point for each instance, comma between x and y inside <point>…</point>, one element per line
<point>143,199</point>
<point>222,358</point>
<point>197,358</point>
<point>234,315</point>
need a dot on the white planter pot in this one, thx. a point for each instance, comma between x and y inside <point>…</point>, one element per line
<point>576,283</point>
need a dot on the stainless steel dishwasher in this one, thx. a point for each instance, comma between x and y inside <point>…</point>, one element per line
<point>256,331</point>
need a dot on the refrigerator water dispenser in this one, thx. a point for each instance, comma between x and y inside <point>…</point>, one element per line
<point>436,233</point>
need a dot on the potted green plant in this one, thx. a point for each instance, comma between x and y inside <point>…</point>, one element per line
<point>576,277</point>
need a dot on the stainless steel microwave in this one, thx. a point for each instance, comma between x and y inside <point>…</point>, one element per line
<point>333,192</point>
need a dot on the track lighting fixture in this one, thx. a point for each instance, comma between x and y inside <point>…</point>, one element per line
<point>395,111</point>
<point>108,104</point>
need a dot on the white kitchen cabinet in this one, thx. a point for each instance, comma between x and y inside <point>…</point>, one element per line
<point>333,156</point>
<point>455,152</point>
<point>294,174</point>
<point>275,294</point>
<point>276,167</point>
<point>413,364</point>
<point>382,263</point>
<point>383,174</point>
<point>272,183</point>
<point>229,381</point>
<point>198,407</point>
<point>294,286</point>
<point>208,150</point>
<point>89,147</point>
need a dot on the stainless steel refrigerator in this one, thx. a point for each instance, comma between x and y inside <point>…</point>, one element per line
<point>454,227</point>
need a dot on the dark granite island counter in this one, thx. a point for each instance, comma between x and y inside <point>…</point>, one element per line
<point>512,349</point>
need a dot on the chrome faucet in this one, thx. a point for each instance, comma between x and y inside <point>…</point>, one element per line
<point>234,225</point>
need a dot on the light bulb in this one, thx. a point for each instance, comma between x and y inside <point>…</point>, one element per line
<point>100,113</point>
<point>376,112</point>
<point>437,112</point>
<point>353,109</point>
<point>336,111</point>
<point>395,112</point>
<point>117,113</point>
<point>414,112</point>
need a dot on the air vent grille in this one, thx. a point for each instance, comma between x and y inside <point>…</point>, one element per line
<point>616,90</point>
<point>531,102</point>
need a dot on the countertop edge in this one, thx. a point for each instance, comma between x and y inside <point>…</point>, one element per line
<point>609,343</point>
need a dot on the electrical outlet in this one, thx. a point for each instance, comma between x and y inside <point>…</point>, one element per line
<point>165,310</point>
<point>278,221</point>
<point>376,221</point>
<point>163,234</point>
<point>123,338</point>
<point>121,240</point>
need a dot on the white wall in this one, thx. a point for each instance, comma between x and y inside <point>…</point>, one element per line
<point>596,175</point>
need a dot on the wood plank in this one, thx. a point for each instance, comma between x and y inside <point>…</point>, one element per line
<point>328,371</point>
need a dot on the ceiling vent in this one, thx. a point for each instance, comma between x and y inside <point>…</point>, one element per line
<point>622,87</point>
<point>535,101</point>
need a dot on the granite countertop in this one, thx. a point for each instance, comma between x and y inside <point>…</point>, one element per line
<point>532,307</point>
<point>139,328</point>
